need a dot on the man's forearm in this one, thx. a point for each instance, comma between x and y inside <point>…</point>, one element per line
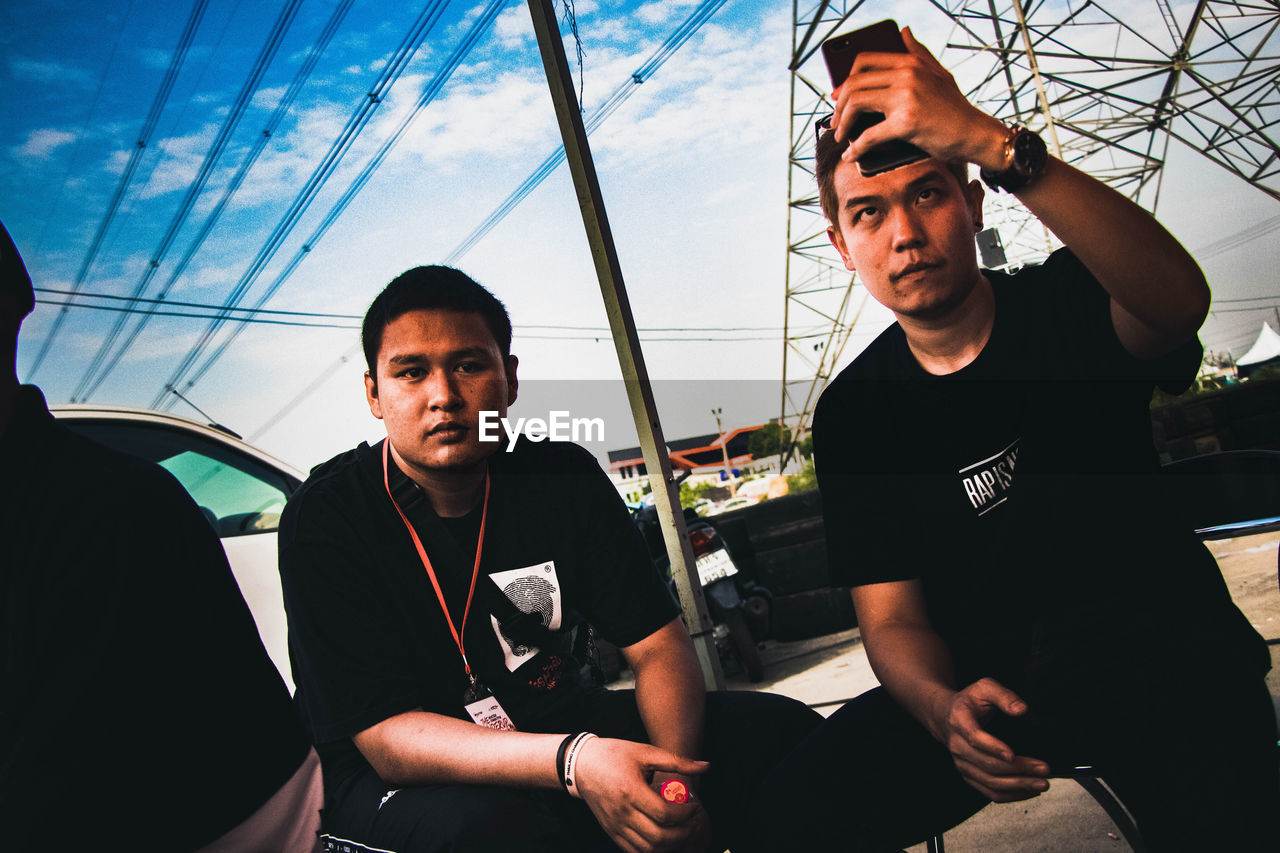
<point>672,703</point>
<point>669,691</point>
<point>1139,263</point>
<point>419,748</point>
<point>913,664</point>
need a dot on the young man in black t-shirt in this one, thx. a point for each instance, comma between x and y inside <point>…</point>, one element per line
<point>433,581</point>
<point>989,489</point>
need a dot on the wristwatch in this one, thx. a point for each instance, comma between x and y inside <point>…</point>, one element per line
<point>1025,157</point>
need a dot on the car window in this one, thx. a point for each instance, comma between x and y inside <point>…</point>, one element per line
<point>238,494</point>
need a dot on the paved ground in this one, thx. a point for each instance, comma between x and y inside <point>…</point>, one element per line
<point>825,671</point>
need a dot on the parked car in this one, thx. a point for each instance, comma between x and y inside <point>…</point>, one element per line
<point>730,505</point>
<point>240,489</point>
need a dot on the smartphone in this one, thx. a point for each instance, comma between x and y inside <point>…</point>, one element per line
<point>1032,736</point>
<point>839,53</point>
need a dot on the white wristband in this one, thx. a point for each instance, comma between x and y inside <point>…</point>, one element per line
<point>571,763</point>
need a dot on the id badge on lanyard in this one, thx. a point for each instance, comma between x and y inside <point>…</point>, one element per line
<point>479,701</point>
<point>484,708</point>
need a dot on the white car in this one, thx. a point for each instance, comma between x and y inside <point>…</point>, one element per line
<point>240,490</point>
<point>731,504</point>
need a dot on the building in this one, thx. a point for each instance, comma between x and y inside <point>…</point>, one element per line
<point>702,456</point>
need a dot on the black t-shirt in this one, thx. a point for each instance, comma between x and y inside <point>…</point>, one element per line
<point>367,637</point>
<point>138,707</point>
<point>1022,489</point>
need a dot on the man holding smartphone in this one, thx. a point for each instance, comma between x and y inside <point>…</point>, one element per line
<point>1028,595</point>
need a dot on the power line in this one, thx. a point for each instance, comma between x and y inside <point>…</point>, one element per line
<point>268,133</point>
<point>1238,239</point>
<point>84,127</point>
<point>126,310</point>
<point>213,308</point>
<point>214,311</point>
<point>204,305</point>
<point>1244,310</point>
<point>126,178</point>
<point>422,25</point>
<point>478,28</point>
<point>247,89</point>
<point>646,70</point>
<point>609,338</point>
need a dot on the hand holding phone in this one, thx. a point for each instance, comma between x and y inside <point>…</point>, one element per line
<point>927,114</point>
<point>839,53</point>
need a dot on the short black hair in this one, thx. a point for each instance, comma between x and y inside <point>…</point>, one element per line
<point>15,284</point>
<point>432,288</point>
<point>826,157</point>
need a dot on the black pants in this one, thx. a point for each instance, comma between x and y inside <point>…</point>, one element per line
<point>1198,770</point>
<point>745,736</point>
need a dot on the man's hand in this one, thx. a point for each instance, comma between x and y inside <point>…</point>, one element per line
<point>700,838</point>
<point>615,778</point>
<point>922,105</point>
<point>985,762</point>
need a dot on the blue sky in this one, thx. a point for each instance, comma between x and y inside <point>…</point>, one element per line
<point>693,168</point>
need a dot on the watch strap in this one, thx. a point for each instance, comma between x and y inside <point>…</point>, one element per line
<point>1025,158</point>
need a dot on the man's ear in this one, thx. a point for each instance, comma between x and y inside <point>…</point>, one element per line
<point>837,240</point>
<point>371,395</point>
<point>974,194</point>
<point>509,365</point>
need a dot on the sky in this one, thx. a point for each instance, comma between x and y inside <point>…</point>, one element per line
<point>693,169</point>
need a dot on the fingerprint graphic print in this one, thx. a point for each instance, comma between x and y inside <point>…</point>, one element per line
<point>530,595</point>
<point>532,589</point>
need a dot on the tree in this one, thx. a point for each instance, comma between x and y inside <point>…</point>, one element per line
<point>768,440</point>
<point>691,493</point>
<point>805,481</point>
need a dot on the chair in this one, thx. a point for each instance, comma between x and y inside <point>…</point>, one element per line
<point>1232,493</point>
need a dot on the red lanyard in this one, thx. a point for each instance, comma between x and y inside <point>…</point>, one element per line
<point>426,561</point>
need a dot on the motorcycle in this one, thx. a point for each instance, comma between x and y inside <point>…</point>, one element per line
<point>739,608</point>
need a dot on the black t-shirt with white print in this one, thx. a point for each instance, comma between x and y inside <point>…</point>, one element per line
<point>1022,490</point>
<point>367,637</point>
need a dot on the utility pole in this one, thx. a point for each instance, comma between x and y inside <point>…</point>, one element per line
<point>724,451</point>
<point>626,341</point>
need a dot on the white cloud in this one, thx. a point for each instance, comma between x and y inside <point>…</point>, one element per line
<point>267,99</point>
<point>662,11</point>
<point>159,59</point>
<point>182,157</point>
<point>36,71</point>
<point>117,160</point>
<point>42,143</point>
<point>493,116</point>
<point>513,27</point>
<point>154,57</point>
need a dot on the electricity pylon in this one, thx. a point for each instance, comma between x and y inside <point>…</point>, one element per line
<point>1109,84</point>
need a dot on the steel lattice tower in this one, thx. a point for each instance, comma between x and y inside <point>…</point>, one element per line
<point>1108,84</point>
